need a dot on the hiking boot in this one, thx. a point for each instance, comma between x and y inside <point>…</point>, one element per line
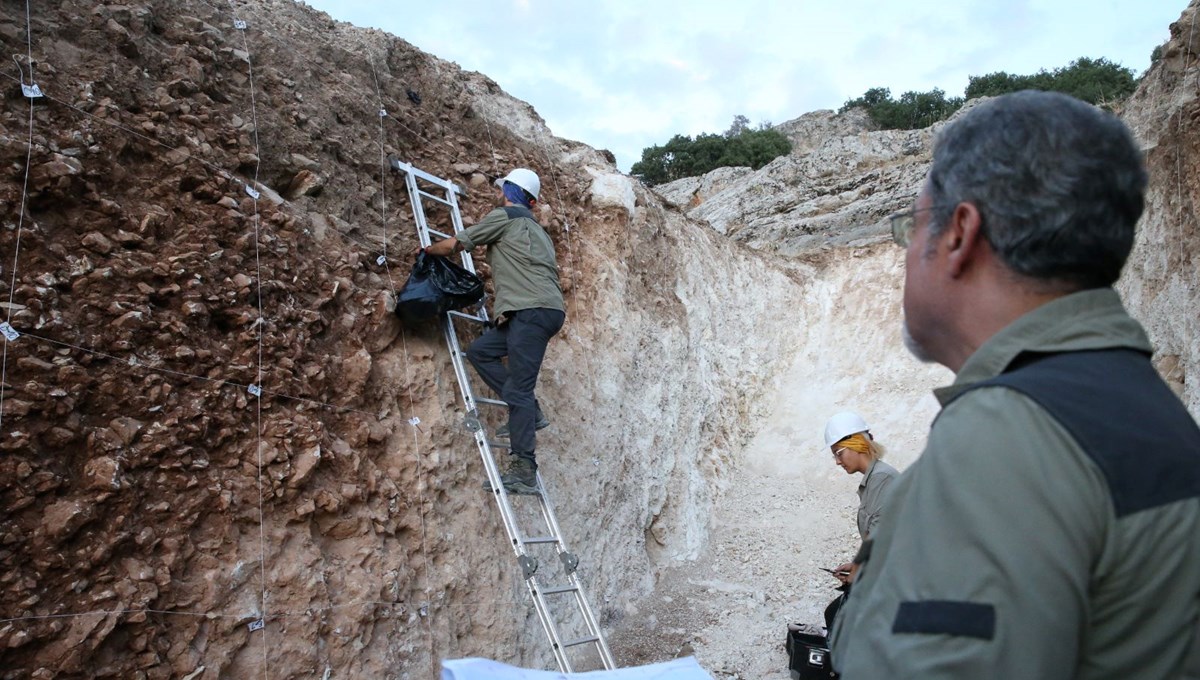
<point>542,423</point>
<point>520,478</point>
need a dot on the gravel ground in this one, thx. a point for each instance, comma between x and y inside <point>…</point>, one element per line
<point>730,608</point>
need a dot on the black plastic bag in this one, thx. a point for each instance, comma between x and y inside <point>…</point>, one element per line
<point>436,286</point>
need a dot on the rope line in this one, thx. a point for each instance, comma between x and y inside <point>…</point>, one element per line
<point>241,27</point>
<point>20,212</point>
<point>412,409</point>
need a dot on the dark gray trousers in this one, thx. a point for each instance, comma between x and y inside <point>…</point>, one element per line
<point>523,340</point>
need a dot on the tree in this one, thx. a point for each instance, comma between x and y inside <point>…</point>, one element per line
<point>1098,81</point>
<point>912,111</point>
<point>1093,80</point>
<point>684,156</point>
<point>740,125</point>
<point>1156,54</point>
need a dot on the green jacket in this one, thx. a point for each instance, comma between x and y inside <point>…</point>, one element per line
<point>521,255</point>
<point>1008,550</point>
<point>871,493</point>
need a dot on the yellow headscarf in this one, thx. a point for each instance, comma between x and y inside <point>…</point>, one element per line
<point>856,442</point>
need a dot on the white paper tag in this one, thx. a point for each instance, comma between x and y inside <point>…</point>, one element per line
<point>253,192</point>
<point>381,260</point>
<point>255,390</point>
<point>31,91</point>
<point>8,331</point>
<point>383,113</point>
<point>414,421</point>
<point>239,24</point>
<point>256,625</point>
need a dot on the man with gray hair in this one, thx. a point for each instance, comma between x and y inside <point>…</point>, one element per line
<point>1051,528</point>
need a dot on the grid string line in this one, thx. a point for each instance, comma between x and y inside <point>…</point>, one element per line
<point>241,26</point>
<point>21,210</point>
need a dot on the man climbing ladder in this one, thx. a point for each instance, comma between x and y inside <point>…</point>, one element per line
<point>529,311</point>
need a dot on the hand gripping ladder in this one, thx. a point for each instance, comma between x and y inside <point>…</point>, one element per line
<point>446,193</point>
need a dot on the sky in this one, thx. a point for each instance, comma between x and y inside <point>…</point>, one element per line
<point>623,75</point>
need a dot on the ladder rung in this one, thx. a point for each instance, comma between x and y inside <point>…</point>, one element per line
<point>476,319</point>
<point>405,167</point>
<point>541,539</point>
<point>435,232</point>
<point>430,196</point>
<point>581,641</point>
<point>559,589</point>
<point>490,402</point>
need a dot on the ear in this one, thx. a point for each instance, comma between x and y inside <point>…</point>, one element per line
<point>963,239</point>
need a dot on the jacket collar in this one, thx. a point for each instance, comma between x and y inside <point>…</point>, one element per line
<point>1087,320</point>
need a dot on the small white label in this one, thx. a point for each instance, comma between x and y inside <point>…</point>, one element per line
<point>8,331</point>
<point>383,113</point>
<point>256,625</point>
<point>424,611</point>
<point>381,260</point>
<point>253,192</point>
<point>31,91</point>
<point>255,390</point>
<point>414,421</point>
<point>239,24</point>
<point>132,361</point>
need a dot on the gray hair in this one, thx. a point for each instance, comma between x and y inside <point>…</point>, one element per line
<point>1059,183</point>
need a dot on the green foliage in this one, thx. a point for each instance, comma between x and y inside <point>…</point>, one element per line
<point>685,156</point>
<point>1098,81</point>
<point>912,111</point>
<point>1156,55</point>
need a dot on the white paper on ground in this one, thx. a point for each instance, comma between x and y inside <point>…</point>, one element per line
<point>485,669</point>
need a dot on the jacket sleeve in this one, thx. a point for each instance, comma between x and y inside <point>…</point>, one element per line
<point>981,561</point>
<point>879,495</point>
<point>486,231</point>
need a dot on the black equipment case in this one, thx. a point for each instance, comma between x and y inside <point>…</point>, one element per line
<point>808,657</point>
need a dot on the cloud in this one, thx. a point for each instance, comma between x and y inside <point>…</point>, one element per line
<point>627,74</point>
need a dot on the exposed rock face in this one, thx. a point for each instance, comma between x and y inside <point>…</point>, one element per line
<point>836,187</point>
<point>1160,282</point>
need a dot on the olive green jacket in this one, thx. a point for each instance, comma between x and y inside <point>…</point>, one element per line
<point>521,255</point>
<point>1009,551</point>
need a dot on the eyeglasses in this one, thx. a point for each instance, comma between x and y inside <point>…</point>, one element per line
<point>837,455</point>
<point>903,223</point>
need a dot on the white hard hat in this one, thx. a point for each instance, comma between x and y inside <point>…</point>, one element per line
<point>843,425</point>
<point>524,178</point>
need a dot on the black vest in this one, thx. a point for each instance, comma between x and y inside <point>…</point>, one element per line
<point>1122,414</point>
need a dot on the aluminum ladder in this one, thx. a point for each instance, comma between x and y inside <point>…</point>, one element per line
<point>446,193</point>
